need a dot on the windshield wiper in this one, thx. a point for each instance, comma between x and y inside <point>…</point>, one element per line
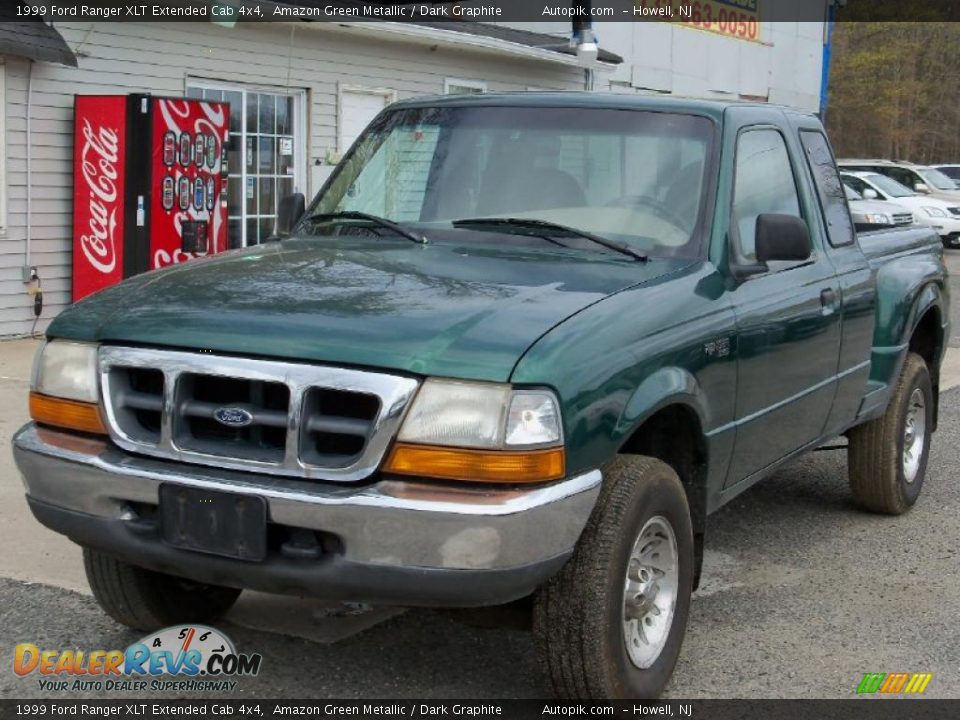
<point>555,227</point>
<point>373,219</point>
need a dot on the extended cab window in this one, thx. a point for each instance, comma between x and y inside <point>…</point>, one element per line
<point>764,184</point>
<point>829,189</point>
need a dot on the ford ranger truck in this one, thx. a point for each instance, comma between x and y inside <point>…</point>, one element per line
<point>518,348</point>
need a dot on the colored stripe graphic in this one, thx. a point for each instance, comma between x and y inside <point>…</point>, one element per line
<point>893,683</point>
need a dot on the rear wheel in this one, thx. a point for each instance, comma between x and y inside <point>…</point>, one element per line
<point>611,623</point>
<point>145,600</point>
<point>887,457</point>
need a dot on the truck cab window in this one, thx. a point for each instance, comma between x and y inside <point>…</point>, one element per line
<point>829,189</point>
<point>764,183</point>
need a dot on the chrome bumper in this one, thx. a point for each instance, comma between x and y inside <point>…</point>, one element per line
<point>397,530</point>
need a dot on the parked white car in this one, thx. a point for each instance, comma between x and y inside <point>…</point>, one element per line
<point>922,179</point>
<point>875,214</point>
<point>941,215</point>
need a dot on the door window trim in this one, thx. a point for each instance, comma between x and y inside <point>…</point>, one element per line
<point>300,132</point>
<point>733,227</point>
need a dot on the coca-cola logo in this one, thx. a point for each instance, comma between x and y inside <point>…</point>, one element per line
<point>98,167</point>
<point>162,258</point>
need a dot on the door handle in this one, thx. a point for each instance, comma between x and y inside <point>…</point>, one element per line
<point>828,301</point>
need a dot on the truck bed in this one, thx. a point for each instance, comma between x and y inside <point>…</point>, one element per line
<point>880,246</point>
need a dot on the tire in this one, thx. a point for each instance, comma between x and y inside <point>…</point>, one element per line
<point>145,600</point>
<point>579,615</point>
<point>883,478</point>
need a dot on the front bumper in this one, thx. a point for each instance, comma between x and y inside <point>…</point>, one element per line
<point>397,542</point>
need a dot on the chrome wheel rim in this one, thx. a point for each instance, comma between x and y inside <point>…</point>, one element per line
<point>650,591</point>
<point>914,435</point>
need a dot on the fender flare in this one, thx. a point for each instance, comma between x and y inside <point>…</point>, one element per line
<point>929,297</point>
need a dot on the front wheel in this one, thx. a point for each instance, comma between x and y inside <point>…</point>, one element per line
<point>611,623</point>
<point>146,600</point>
<point>887,457</point>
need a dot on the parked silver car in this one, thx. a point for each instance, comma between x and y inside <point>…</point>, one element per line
<point>875,214</point>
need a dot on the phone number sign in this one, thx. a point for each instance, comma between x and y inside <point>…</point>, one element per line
<point>738,19</point>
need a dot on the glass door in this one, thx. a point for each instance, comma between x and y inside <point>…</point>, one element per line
<point>265,155</point>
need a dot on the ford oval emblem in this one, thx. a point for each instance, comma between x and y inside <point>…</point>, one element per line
<point>233,416</point>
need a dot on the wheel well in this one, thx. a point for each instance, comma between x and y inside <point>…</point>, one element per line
<point>926,342</point>
<point>673,435</point>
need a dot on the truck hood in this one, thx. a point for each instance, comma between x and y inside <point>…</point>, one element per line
<point>467,311</point>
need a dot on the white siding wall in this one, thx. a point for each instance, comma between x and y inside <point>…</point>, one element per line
<point>158,58</point>
<point>662,57</point>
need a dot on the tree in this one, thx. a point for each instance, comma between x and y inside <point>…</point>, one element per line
<point>894,91</point>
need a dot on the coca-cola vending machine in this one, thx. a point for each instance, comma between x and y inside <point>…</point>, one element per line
<point>150,185</point>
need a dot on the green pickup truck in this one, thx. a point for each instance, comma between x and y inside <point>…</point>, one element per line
<point>517,350</point>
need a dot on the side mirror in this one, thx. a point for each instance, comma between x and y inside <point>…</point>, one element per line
<point>922,188</point>
<point>869,194</point>
<point>782,237</point>
<point>289,211</point>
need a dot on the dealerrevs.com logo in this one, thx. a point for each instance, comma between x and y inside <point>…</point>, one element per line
<point>178,658</point>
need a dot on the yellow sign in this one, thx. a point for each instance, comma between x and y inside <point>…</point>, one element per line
<point>738,19</point>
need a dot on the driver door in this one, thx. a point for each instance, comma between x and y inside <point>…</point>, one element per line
<point>787,319</point>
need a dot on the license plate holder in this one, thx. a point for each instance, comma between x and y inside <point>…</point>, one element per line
<point>231,525</point>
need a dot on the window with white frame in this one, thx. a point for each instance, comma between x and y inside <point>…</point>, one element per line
<point>456,86</point>
<point>266,154</point>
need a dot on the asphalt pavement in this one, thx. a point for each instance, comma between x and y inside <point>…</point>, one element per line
<point>802,595</point>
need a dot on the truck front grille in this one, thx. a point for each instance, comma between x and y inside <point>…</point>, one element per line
<point>272,417</point>
<point>903,218</point>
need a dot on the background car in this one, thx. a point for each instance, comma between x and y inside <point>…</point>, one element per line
<point>875,214</point>
<point>919,178</point>
<point>951,171</point>
<point>938,214</point>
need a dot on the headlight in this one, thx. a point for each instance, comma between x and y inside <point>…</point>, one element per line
<point>878,219</point>
<point>67,370</point>
<point>934,212</point>
<point>484,432</point>
<point>481,415</point>
<point>64,391</point>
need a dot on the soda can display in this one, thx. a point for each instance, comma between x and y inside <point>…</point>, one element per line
<point>168,192</point>
<point>199,148</point>
<point>211,192</point>
<point>212,151</point>
<point>183,190</point>
<point>186,149</point>
<point>198,193</point>
<point>169,148</point>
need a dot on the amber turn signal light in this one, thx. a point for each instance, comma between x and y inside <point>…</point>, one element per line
<point>67,414</point>
<point>493,466</point>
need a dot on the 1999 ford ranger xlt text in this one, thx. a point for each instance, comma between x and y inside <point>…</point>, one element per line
<point>518,346</point>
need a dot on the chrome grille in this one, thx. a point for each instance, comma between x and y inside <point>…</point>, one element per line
<point>903,218</point>
<point>271,417</point>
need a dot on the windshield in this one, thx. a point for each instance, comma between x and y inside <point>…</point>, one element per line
<point>888,186</point>
<point>937,179</point>
<point>634,177</point>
